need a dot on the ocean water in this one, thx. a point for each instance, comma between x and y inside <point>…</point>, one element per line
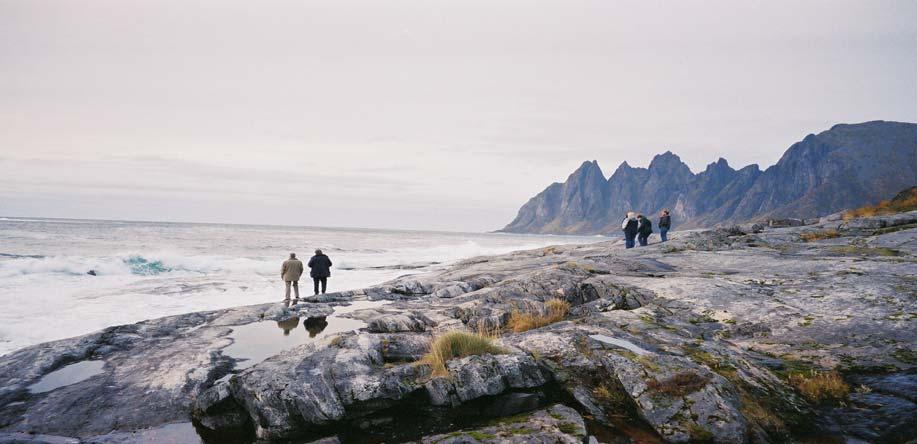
<point>146,270</point>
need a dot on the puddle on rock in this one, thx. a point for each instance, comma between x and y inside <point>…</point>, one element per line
<point>621,343</point>
<point>67,375</point>
<point>255,342</point>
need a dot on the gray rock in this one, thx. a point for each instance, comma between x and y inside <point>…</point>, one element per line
<point>485,375</point>
<point>388,322</point>
<point>557,424</point>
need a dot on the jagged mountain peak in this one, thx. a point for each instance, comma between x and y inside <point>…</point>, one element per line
<point>588,166</point>
<point>721,165</point>
<point>665,160</point>
<point>848,165</point>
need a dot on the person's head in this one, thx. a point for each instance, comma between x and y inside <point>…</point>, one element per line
<point>630,214</point>
<point>665,212</point>
<point>318,251</point>
<point>292,255</point>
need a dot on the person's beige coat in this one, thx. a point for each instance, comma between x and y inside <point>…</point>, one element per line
<point>291,270</point>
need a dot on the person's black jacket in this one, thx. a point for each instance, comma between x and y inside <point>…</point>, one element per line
<point>646,227</point>
<point>631,229</point>
<point>320,266</point>
<point>665,222</point>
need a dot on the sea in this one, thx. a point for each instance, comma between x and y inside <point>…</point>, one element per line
<point>61,278</point>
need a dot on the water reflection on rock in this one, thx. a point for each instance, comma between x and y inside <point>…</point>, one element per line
<point>315,326</point>
<point>288,325</point>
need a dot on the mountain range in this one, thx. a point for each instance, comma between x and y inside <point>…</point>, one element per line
<point>847,166</point>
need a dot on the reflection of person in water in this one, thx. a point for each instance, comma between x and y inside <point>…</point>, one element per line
<point>315,325</point>
<point>288,325</point>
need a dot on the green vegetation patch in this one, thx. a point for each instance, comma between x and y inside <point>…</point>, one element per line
<point>570,428</point>
<point>699,433</point>
<point>905,355</point>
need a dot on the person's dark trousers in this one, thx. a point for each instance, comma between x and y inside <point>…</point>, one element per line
<point>324,282</point>
<point>628,242</point>
<point>642,240</point>
<point>664,234</point>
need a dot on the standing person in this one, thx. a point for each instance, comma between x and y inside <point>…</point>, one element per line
<point>290,272</point>
<point>645,228</point>
<point>665,222</point>
<point>321,270</point>
<point>629,226</point>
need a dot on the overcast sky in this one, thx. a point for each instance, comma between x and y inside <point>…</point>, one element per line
<point>421,114</point>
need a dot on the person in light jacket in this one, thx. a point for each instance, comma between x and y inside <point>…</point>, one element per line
<point>629,226</point>
<point>290,272</point>
<point>665,223</point>
<point>321,270</point>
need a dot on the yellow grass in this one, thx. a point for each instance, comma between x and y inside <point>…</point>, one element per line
<point>813,236</point>
<point>523,320</point>
<point>820,386</point>
<point>909,203</point>
<point>458,344</point>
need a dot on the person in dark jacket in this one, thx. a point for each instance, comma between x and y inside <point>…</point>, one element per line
<point>644,228</point>
<point>665,222</point>
<point>320,267</point>
<point>629,226</point>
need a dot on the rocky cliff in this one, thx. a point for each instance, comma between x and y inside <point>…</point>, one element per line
<point>747,334</point>
<point>844,167</point>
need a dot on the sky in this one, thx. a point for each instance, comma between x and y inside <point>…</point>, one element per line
<point>427,114</point>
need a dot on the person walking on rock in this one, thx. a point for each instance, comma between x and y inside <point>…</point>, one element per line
<point>321,270</point>
<point>645,228</point>
<point>629,226</point>
<point>665,223</point>
<point>290,272</point>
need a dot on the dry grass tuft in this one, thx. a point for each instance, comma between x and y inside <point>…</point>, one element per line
<point>900,204</point>
<point>458,344</point>
<point>820,386</point>
<point>523,320</point>
<point>754,411</point>
<point>679,385</point>
<point>813,236</point>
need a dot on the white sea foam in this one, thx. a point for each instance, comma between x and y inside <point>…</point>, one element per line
<point>149,270</point>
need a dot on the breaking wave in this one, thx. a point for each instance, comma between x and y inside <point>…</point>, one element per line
<point>129,264</point>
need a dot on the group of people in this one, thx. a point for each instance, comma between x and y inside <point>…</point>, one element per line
<point>637,228</point>
<point>320,271</point>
